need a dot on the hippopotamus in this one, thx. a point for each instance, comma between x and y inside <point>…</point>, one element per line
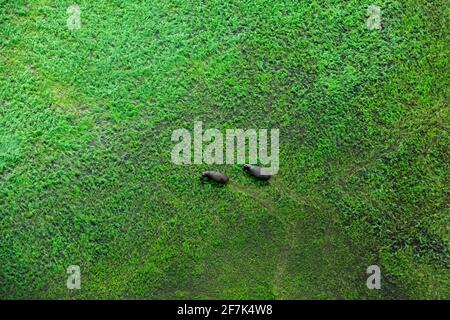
<point>256,172</point>
<point>215,176</point>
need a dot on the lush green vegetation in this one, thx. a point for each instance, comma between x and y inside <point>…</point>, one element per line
<point>86,178</point>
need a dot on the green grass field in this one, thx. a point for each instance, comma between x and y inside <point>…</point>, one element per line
<point>86,177</point>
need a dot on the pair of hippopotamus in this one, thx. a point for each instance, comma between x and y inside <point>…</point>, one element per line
<point>223,179</point>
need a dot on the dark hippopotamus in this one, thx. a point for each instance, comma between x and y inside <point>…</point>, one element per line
<point>256,172</point>
<point>215,176</point>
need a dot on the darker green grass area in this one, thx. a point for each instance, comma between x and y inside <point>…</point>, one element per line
<point>86,177</point>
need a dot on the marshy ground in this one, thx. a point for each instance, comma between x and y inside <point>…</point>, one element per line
<point>86,118</point>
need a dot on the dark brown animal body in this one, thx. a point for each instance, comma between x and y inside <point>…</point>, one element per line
<point>215,176</point>
<point>256,172</point>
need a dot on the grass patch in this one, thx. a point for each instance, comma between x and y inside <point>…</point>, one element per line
<point>86,178</point>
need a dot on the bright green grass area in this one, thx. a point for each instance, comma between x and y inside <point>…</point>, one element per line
<point>86,177</point>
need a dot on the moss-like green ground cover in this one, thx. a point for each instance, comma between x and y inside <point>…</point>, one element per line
<point>86,178</point>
